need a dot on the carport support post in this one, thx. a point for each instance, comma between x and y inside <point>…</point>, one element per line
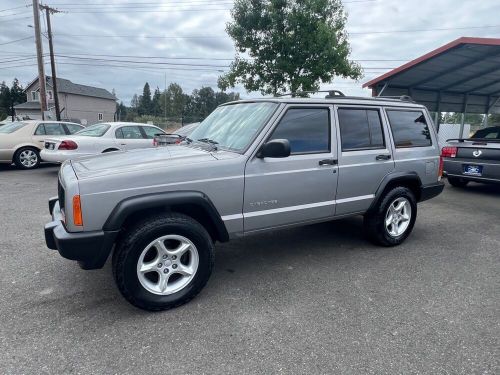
<point>437,116</point>
<point>464,112</point>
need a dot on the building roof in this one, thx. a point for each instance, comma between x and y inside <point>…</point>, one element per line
<point>463,75</point>
<point>28,105</point>
<point>68,87</point>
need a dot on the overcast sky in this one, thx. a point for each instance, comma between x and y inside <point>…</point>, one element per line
<point>379,30</point>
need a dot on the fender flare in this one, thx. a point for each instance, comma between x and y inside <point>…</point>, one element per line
<point>411,177</point>
<point>130,205</point>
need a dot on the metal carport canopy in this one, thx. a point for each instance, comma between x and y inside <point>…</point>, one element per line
<point>462,76</point>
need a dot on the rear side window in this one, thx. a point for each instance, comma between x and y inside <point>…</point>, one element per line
<point>488,133</point>
<point>49,128</point>
<point>151,131</point>
<point>409,128</point>
<point>307,130</point>
<point>129,132</point>
<point>73,128</point>
<point>360,129</point>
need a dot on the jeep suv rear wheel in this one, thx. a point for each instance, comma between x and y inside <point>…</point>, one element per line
<point>163,262</point>
<point>392,220</point>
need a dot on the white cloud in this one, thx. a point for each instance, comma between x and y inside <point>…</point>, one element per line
<point>364,17</point>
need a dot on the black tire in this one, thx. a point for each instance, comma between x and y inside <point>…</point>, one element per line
<point>18,158</point>
<point>457,182</point>
<point>129,249</point>
<point>374,221</point>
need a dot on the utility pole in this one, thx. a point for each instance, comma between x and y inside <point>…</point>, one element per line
<point>48,12</point>
<point>39,55</point>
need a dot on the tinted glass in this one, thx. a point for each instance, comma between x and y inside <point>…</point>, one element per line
<point>54,129</point>
<point>73,128</point>
<point>488,133</point>
<point>360,129</point>
<point>129,132</point>
<point>151,131</point>
<point>234,126</point>
<point>96,130</point>
<point>12,127</point>
<point>40,130</point>
<point>307,130</point>
<point>409,128</point>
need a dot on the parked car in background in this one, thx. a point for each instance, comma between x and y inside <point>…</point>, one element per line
<point>250,166</point>
<point>175,138</point>
<point>99,138</point>
<point>22,141</point>
<point>474,159</point>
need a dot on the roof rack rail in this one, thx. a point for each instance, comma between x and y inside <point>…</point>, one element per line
<point>404,98</point>
<point>331,93</point>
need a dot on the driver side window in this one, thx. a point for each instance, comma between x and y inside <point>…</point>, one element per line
<point>307,130</point>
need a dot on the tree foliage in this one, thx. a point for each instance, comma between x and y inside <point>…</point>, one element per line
<point>292,45</point>
<point>9,97</point>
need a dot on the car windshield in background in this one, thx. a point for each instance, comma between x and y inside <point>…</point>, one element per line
<point>488,133</point>
<point>96,130</point>
<point>234,126</point>
<point>12,127</point>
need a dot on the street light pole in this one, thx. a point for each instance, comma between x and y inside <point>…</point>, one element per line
<point>48,11</point>
<point>39,55</point>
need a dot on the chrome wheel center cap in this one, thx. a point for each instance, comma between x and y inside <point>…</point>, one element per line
<point>167,262</point>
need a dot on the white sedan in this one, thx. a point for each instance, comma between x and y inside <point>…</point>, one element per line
<point>99,138</point>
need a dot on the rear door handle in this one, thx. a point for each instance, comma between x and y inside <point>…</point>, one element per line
<point>382,157</point>
<point>327,162</point>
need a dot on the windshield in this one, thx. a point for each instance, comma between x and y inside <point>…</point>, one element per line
<point>234,126</point>
<point>12,127</point>
<point>96,130</point>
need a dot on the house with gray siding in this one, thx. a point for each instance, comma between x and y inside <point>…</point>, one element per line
<point>85,104</point>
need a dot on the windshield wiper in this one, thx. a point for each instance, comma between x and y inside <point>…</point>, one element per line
<point>209,141</point>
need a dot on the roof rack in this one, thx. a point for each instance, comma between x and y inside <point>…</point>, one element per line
<point>331,93</point>
<point>404,98</point>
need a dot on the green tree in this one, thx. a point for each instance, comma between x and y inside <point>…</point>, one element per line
<point>155,103</point>
<point>4,101</point>
<point>293,45</point>
<point>145,102</point>
<point>121,112</point>
<point>494,119</point>
<point>175,100</point>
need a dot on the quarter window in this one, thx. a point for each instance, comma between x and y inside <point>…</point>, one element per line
<point>409,128</point>
<point>129,132</point>
<point>73,128</point>
<point>307,130</point>
<point>151,131</point>
<point>360,129</point>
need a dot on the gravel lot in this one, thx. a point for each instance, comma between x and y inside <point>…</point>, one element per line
<point>316,300</point>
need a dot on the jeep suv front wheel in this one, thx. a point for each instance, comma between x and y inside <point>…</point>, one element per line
<point>163,262</point>
<point>391,221</point>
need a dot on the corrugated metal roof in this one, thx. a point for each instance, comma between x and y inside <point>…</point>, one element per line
<point>465,71</point>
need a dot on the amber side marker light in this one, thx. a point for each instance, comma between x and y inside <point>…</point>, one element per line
<point>77,211</point>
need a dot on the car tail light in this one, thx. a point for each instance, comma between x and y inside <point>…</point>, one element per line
<point>449,152</point>
<point>68,145</point>
<point>77,211</point>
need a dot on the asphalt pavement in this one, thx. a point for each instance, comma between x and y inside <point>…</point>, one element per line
<point>318,299</point>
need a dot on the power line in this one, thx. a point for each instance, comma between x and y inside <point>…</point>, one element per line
<point>141,62</point>
<point>21,6</point>
<point>17,40</point>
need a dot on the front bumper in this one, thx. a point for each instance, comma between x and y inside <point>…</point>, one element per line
<point>90,249</point>
<point>430,191</point>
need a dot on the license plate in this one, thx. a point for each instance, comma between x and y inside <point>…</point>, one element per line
<point>49,146</point>
<point>473,170</point>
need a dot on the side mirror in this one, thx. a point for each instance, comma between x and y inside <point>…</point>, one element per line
<point>277,148</point>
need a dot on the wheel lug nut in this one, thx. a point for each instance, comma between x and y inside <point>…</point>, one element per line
<point>174,266</point>
<point>165,257</point>
<point>165,270</point>
<point>174,257</point>
<point>159,265</point>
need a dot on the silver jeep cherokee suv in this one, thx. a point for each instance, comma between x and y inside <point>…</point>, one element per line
<point>251,166</point>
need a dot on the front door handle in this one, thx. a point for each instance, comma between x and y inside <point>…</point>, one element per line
<point>327,162</point>
<point>382,157</point>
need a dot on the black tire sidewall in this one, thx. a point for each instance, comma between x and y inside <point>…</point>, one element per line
<point>400,192</point>
<point>126,265</point>
<point>457,182</point>
<point>20,165</point>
